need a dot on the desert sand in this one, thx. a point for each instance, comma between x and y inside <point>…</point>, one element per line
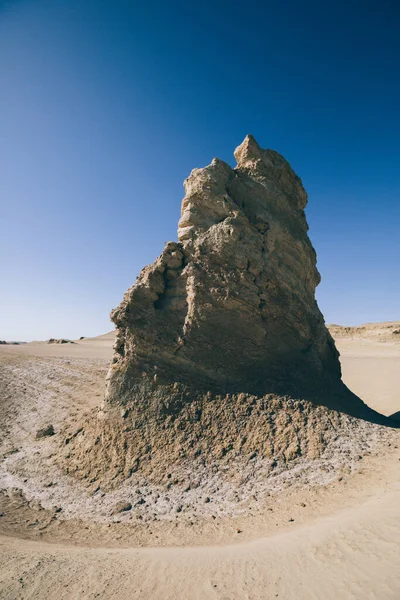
<point>333,538</point>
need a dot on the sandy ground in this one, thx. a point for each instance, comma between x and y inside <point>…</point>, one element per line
<point>339,540</point>
<point>372,371</point>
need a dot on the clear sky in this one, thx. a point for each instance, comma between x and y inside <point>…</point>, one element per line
<point>106,106</point>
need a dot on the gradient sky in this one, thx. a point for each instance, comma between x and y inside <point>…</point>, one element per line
<point>106,106</point>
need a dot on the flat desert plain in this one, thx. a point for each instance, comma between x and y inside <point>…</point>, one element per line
<point>313,540</point>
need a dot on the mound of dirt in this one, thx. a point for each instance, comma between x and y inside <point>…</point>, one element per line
<point>172,434</point>
<point>241,452</point>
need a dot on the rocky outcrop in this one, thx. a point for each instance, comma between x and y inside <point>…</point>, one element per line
<point>221,352</point>
<point>231,306</point>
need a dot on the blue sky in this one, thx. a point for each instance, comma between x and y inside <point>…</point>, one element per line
<point>106,106</point>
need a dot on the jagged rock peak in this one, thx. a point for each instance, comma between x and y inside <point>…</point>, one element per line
<point>249,151</point>
<point>208,200</point>
<point>231,306</point>
<point>269,165</point>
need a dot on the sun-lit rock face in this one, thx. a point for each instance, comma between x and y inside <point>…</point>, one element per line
<point>230,307</point>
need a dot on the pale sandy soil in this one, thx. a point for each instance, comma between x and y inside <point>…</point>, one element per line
<point>372,370</point>
<point>312,538</point>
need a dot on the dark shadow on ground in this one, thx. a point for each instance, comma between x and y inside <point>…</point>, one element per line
<point>396,417</point>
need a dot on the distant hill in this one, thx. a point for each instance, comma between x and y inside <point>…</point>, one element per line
<point>379,332</point>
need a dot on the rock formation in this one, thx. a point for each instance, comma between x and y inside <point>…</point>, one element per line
<point>231,306</point>
<point>221,351</point>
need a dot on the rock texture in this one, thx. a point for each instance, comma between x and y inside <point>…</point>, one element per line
<point>231,306</point>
